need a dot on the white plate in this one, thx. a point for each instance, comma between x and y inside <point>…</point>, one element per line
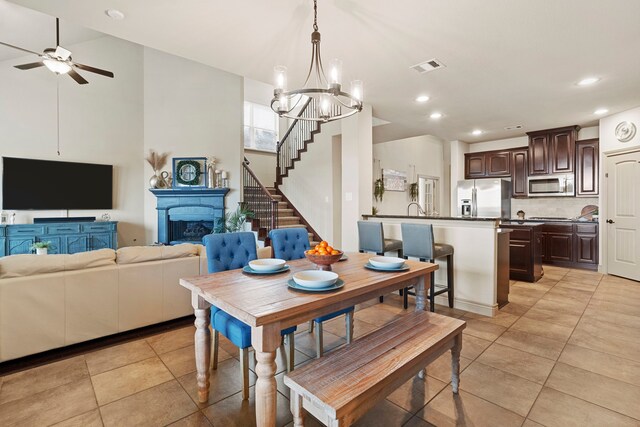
<point>267,264</point>
<point>386,262</point>
<point>315,278</point>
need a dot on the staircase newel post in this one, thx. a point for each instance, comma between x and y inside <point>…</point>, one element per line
<point>277,165</point>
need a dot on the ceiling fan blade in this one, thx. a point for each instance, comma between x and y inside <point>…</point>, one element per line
<point>30,65</point>
<point>93,70</point>
<point>19,48</point>
<point>77,77</point>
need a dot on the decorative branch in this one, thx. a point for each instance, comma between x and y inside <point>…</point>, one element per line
<point>157,161</point>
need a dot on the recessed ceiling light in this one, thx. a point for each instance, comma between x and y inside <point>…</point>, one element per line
<point>435,115</point>
<point>114,14</point>
<point>476,132</point>
<point>588,81</point>
<point>601,111</point>
<point>422,98</point>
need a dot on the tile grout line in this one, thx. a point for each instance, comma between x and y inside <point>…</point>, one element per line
<point>562,351</point>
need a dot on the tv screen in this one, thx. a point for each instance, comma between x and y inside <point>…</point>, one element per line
<point>49,185</point>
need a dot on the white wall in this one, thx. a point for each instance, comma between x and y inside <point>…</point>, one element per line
<point>426,153</point>
<point>609,144</point>
<point>457,150</point>
<point>198,114</point>
<point>115,121</point>
<point>309,185</point>
<point>100,122</point>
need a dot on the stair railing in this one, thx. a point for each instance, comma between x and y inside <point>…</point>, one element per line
<point>258,199</point>
<point>295,139</point>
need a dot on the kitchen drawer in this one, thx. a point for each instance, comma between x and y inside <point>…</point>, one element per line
<point>97,227</point>
<point>63,228</point>
<point>27,230</point>
<point>586,228</point>
<point>520,234</point>
<point>557,228</point>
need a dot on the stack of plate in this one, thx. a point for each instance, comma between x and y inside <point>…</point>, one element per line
<point>266,266</point>
<point>315,281</point>
<point>386,263</point>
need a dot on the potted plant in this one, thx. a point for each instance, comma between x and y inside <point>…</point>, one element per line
<point>40,247</point>
<point>378,189</point>
<point>413,191</point>
<point>233,221</point>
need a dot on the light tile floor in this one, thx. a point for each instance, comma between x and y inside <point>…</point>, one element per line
<point>564,352</point>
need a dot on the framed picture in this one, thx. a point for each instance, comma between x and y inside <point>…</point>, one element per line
<point>394,180</point>
<point>189,172</point>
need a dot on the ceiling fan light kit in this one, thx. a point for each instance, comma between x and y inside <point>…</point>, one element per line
<point>334,103</point>
<point>59,61</point>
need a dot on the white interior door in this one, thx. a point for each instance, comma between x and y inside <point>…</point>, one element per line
<point>623,215</point>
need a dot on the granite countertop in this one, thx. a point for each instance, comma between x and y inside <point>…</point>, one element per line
<point>544,221</point>
<point>445,218</point>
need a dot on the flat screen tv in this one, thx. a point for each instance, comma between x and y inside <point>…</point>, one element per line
<point>50,185</point>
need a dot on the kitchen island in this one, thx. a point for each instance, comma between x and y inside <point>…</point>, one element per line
<point>481,254</point>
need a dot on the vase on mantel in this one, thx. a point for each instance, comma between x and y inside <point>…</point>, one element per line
<point>41,251</point>
<point>153,181</point>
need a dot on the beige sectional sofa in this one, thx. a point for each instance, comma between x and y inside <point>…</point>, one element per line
<point>50,301</point>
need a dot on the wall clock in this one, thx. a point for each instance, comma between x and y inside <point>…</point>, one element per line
<point>625,131</point>
<point>189,171</point>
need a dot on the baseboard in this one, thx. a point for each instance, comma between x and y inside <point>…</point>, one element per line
<point>485,310</point>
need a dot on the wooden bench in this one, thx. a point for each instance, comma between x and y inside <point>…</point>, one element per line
<point>341,386</point>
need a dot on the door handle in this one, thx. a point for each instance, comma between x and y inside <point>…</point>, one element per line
<point>610,221</point>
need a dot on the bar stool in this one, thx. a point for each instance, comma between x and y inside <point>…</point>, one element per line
<point>418,242</point>
<point>371,239</point>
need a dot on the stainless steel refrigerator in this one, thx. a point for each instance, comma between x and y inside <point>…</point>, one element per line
<point>484,198</point>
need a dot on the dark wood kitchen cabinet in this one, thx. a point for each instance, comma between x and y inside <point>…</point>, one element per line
<point>519,172</point>
<point>487,164</point>
<point>498,163</point>
<point>572,245</point>
<point>552,151</point>
<point>587,163</point>
<point>525,252</point>
<point>474,165</point>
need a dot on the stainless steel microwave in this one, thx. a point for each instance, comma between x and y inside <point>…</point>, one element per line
<point>551,185</point>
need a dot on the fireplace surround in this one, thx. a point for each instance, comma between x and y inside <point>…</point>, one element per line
<point>187,215</point>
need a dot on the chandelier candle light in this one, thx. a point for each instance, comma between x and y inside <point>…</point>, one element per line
<point>332,102</point>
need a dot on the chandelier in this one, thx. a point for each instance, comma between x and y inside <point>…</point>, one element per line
<point>331,103</point>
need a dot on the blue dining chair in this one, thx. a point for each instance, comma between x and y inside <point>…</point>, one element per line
<point>290,244</point>
<point>228,251</point>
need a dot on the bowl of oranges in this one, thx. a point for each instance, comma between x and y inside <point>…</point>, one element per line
<point>323,255</point>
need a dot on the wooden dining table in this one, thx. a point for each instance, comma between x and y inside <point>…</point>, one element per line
<point>269,305</point>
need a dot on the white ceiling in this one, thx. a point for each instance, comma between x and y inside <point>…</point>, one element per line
<point>507,62</point>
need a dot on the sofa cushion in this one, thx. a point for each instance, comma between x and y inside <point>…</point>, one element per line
<point>137,254</point>
<point>30,265</point>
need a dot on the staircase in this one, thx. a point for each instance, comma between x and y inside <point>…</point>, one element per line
<point>270,206</point>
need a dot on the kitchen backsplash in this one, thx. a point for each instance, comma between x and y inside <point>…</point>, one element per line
<point>566,207</point>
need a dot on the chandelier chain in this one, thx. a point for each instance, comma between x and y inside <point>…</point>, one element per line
<point>315,15</point>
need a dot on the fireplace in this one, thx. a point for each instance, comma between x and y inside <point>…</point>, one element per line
<point>189,231</point>
<point>187,215</point>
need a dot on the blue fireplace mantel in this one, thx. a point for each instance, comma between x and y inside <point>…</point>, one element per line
<point>188,204</point>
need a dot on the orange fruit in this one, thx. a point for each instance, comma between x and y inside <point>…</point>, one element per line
<point>317,247</point>
<point>324,244</point>
<point>329,249</point>
<point>334,252</point>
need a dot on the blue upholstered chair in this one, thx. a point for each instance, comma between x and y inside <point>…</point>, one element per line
<point>371,239</point>
<point>290,244</point>
<point>228,251</point>
<point>418,242</point>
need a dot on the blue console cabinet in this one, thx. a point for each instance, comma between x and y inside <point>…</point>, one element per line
<point>65,237</point>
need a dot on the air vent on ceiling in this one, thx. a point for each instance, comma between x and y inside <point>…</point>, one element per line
<point>514,127</point>
<point>430,65</point>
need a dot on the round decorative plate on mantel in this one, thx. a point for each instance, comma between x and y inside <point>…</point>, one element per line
<point>625,131</point>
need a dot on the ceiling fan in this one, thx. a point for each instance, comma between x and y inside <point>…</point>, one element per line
<point>59,61</point>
